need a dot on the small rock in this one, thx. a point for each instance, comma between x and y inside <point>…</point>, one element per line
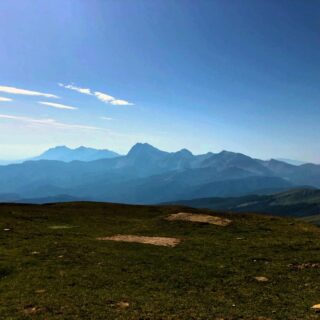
<point>262,279</point>
<point>30,309</point>
<point>40,291</point>
<point>6,229</point>
<point>119,304</point>
<point>316,307</point>
<point>35,252</point>
<point>123,305</point>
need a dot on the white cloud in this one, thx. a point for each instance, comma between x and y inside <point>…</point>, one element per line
<point>3,99</point>
<point>103,97</point>
<point>13,90</point>
<point>57,105</point>
<point>119,102</point>
<point>106,118</point>
<point>75,88</point>
<point>48,122</point>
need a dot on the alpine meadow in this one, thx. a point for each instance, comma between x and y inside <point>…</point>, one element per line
<point>159,160</point>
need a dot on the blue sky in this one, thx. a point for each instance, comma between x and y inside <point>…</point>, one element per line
<point>204,75</point>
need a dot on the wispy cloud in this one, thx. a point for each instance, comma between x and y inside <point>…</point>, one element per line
<point>48,122</point>
<point>119,102</point>
<point>75,88</point>
<point>106,118</point>
<point>104,97</point>
<point>3,99</point>
<point>13,90</point>
<point>57,105</point>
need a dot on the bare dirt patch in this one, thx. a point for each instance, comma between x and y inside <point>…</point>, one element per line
<point>261,279</point>
<point>316,308</point>
<point>202,218</point>
<point>157,241</point>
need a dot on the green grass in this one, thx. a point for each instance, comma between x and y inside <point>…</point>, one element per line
<point>210,275</point>
<point>315,219</point>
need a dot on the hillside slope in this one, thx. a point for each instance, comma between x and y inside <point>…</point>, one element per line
<point>294,203</point>
<point>53,267</point>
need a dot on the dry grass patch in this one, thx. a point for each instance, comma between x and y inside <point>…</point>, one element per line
<point>61,227</point>
<point>202,218</point>
<point>157,241</point>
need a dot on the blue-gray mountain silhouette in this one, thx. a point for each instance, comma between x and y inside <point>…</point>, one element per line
<point>149,175</point>
<point>63,153</point>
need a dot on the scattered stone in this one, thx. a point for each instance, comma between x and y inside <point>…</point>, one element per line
<point>157,241</point>
<point>201,218</point>
<point>316,308</point>
<point>262,279</point>
<point>60,257</point>
<point>35,252</point>
<point>119,304</point>
<point>6,229</point>
<point>123,305</point>
<point>28,310</point>
<point>39,291</point>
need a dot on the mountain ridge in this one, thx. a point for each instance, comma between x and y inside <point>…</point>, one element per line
<point>63,153</point>
<point>149,175</point>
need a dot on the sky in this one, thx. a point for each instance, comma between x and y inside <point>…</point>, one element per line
<point>206,75</point>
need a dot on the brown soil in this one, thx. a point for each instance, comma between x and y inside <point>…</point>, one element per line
<point>202,218</point>
<point>157,241</point>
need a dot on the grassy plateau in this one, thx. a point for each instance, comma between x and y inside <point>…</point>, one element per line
<point>53,267</point>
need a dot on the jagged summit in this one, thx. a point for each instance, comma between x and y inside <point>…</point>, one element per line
<point>184,152</point>
<point>144,149</point>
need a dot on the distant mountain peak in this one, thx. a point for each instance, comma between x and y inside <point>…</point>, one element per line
<point>63,147</point>
<point>184,152</point>
<point>82,148</point>
<point>143,149</point>
<point>66,154</point>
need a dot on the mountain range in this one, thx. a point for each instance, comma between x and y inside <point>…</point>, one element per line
<point>148,175</point>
